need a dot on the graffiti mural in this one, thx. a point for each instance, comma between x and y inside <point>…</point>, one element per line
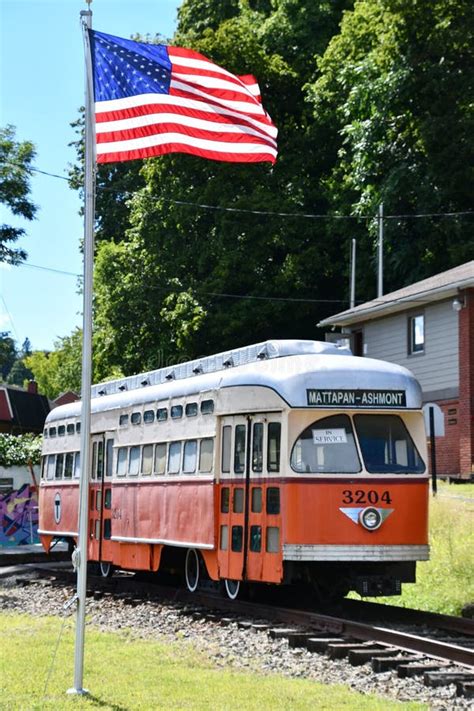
<point>19,517</point>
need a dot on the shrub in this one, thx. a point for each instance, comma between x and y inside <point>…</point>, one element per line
<point>19,450</point>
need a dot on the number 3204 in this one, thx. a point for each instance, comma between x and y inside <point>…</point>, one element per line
<point>365,497</point>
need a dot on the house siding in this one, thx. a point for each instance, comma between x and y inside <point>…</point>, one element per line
<point>437,369</point>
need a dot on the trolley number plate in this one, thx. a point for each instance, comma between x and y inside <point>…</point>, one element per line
<point>365,497</point>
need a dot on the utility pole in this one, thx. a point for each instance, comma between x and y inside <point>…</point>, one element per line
<point>353,273</point>
<point>380,253</point>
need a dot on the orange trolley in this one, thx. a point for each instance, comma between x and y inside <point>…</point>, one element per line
<point>285,462</point>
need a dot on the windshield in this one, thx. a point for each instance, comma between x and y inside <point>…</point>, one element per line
<point>326,446</point>
<point>386,445</point>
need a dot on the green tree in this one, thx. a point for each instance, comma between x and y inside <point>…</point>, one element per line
<point>59,370</point>
<point>19,373</point>
<point>15,172</point>
<point>162,267</point>
<point>8,354</point>
<point>396,88</point>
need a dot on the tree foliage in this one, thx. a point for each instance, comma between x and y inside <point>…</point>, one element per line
<point>15,172</point>
<point>20,450</point>
<point>373,102</point>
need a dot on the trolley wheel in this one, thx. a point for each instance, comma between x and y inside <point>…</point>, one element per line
<point>106,569</point>
<point>232,588</point>
<point>191,569</point>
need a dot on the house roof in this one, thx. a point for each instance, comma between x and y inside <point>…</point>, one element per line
<point>441,286</point>
<point>22,409</point>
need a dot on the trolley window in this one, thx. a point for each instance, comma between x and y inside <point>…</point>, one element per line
<point>109,457</point>
<point>162,414</point>
<point>123,420</point>
<point>59,466</point>
<point>122,461</point>
<point>191,409</point>
<point>387,446</point>
<point>273,446</point>
<point>326,446</point>
<point>239,449</point>
<point>176,412</point>
<point>61,430</point>
<point>147,459</point>
<point>136,418</point>
<point>134,460</point>
<point>257,447</point>
<point>77,465</point>
<point>68,465</point>
<point>160,458</point>
<point>70,429</point>
<point>226,443</point>
<point>51,466</point>
<point>174,457</point>
<point>206,454</point>
<point>207,407</point>
<point>190,456</point>
<point>148,416</point>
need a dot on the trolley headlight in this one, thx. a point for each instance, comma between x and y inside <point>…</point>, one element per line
<point>370,518</point>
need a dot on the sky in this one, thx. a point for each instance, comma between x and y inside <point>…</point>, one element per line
<point>41,89</point>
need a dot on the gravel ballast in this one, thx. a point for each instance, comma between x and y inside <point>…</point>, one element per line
<point>225,646</point>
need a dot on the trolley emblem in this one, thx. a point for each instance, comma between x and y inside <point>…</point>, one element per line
<point>57,507</point>
<point>369,517</point>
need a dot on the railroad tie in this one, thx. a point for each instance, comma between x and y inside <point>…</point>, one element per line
<point>413,669</point>
<point>361,656</point>
<point>443,678</point>
<point>383,664</point>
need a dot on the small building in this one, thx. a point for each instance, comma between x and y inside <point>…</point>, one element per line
<point>22,410</point>
<point>428,327</point>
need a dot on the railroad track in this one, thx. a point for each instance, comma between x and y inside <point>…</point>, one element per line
<point>425,650</point>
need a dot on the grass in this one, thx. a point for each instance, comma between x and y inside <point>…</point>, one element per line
<point>129,674</point>
<point>445,583</point>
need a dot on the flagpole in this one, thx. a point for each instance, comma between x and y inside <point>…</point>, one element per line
<point>81,551</point>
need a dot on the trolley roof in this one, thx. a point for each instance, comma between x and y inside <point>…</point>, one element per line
<point>290,368</point>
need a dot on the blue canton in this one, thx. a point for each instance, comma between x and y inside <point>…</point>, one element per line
<point>124,68</point>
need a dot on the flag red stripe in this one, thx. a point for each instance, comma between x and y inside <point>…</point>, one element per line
<point>156,129</point>
<point>183,148</point>
<point>203,115</point>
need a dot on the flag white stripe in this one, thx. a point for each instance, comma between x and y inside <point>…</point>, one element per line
<point>209,67</point>
<point>242,106</point>
<point>132,102</point>
<point>169,138</point>
<point>128,124</point>
<point>213,83</point>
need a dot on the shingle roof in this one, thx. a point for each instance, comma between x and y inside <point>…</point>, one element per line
<point>435,288</point>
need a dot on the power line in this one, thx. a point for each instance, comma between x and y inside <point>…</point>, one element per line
<point>270,213</point>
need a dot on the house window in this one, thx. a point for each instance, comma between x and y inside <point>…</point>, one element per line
<point>416,334</point>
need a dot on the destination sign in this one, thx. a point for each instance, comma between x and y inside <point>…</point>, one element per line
<point>356,398</point>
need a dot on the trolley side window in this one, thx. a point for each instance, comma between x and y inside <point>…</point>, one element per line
<point>51,466</point>
<point>326,446</point>
<point>386,445</point>
<point>147,459</point>
<point>239,449</point>
<point>69,465</point>
<point>190,456</point>
<point>273,446</point>
<point>174,457</point>
<point>257,447</point>
<point>206,454</point>
<point>226,448</point>
<point>160,458</point>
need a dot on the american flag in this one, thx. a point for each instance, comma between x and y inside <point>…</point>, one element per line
<point>153,99</point>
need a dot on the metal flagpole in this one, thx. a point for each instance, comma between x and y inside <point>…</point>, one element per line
<point>80,556</point>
